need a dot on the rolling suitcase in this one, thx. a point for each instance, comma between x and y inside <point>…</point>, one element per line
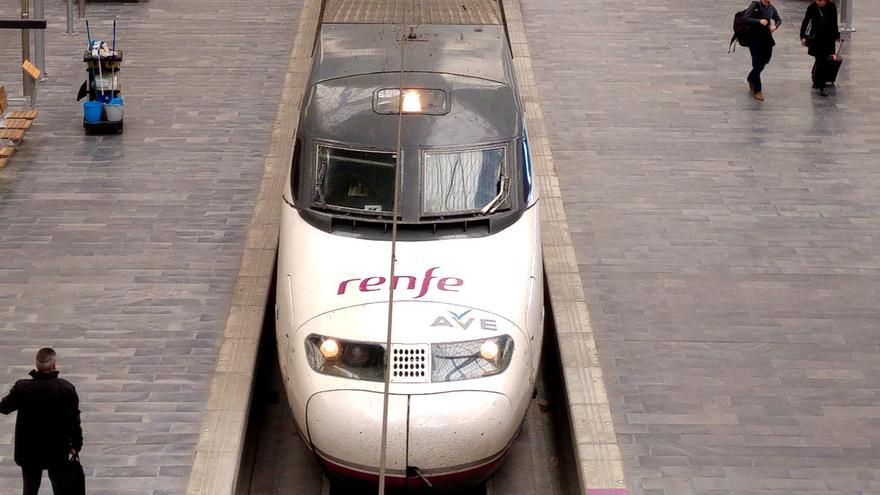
<point>828,69</point>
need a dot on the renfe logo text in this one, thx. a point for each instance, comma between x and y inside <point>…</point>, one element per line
<point>403,282</point>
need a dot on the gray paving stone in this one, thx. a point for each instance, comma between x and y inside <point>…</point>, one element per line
<point>121,251</point>
<point>728,249</point>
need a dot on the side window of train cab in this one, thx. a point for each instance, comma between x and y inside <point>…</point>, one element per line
<point>294,169</point>
<point>526,161</point>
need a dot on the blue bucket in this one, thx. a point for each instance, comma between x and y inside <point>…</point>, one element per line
<point>92,111</point>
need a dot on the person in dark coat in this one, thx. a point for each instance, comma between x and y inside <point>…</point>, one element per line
<point>47,428</point>
<point>763,20</point>
<point>819,32</point>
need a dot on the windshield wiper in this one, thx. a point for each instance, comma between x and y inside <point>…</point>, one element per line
<point>503,193</point>
<point>319,184</point>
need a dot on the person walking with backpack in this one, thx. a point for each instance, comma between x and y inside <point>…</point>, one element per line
<point>819,33</point>
<point>47,428</point>
<point>763,20</point>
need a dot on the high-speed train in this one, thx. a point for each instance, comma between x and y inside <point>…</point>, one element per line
<point>467,323</point>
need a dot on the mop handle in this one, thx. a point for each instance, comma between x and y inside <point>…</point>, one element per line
<point>100,76</point>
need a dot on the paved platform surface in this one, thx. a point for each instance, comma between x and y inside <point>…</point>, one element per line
<point>122,251</point>
<point>729,249</point>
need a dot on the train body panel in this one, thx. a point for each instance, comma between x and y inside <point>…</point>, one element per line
<point>487,421</point>
<point>477,107</point>
<point>356,415</point>
<point>344,271</point>
<point>346,50</point>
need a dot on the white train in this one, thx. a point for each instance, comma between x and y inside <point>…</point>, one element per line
<point>468,284</point>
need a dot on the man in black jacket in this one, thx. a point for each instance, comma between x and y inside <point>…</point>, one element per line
<point>47,428</point>
<point>763,21</point>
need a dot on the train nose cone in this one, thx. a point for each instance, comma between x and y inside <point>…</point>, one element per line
<point>460,436</point>
<point>345,428</point>
<point>452,437</point>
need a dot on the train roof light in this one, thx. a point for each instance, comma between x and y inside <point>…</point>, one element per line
<point>415,101</point>
<point>412,102</point>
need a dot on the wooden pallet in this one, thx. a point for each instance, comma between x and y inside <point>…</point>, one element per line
<point>5,153</point>
<point>14,124</point>
<point>12,134</point>
<point>23,114</point>
<point>23,124</point>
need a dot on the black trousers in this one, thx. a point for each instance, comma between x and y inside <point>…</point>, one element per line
<point>761,53</point>
<point>819,70</point>
<point>32,477</point>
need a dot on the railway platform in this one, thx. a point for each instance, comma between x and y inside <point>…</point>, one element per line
<point>718,256</point>
<point>727,247</point>
<point>123,252</point>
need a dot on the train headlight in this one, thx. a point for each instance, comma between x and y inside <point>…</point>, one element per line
<point>453,361</point>
<point>345,358</point>
<point>489,350</point>
<point>329,349</point>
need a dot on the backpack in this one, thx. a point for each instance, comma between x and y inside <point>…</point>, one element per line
<point>740,29</point>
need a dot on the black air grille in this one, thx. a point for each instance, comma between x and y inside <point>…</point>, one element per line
<point>410,363</point>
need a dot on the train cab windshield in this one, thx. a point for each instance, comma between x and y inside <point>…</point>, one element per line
<point>462,181</point>
<point>455,182</point>
<point>452,116</point>
<point>355,179</point>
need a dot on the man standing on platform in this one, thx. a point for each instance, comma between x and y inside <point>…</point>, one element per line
<point>47,428</point>
<point>763,20</point>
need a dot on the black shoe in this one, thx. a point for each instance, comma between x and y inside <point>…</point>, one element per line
<point>823,92</point>
<point>815,86</point>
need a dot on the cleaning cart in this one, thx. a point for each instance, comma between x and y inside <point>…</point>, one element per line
<point>103,108</point>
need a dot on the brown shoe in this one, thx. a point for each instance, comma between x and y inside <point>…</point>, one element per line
<point>758,95</point>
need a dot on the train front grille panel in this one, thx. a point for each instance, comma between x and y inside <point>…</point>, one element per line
<point>410,363</point>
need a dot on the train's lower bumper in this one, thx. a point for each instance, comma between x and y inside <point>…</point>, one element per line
<point>449,438</point>
<point>470,476</point>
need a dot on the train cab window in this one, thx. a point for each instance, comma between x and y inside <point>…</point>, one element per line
<point>526,160</point>
<point>355,179</point>
<point>464,181</point>
<point>294,169</point>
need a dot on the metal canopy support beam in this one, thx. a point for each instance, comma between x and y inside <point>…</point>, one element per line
<point>25,24</point>
<point>27,85</point>
<point>40,41</point>
<point>846,14</point>
<point>70,18</point>
<point>22,23</point>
